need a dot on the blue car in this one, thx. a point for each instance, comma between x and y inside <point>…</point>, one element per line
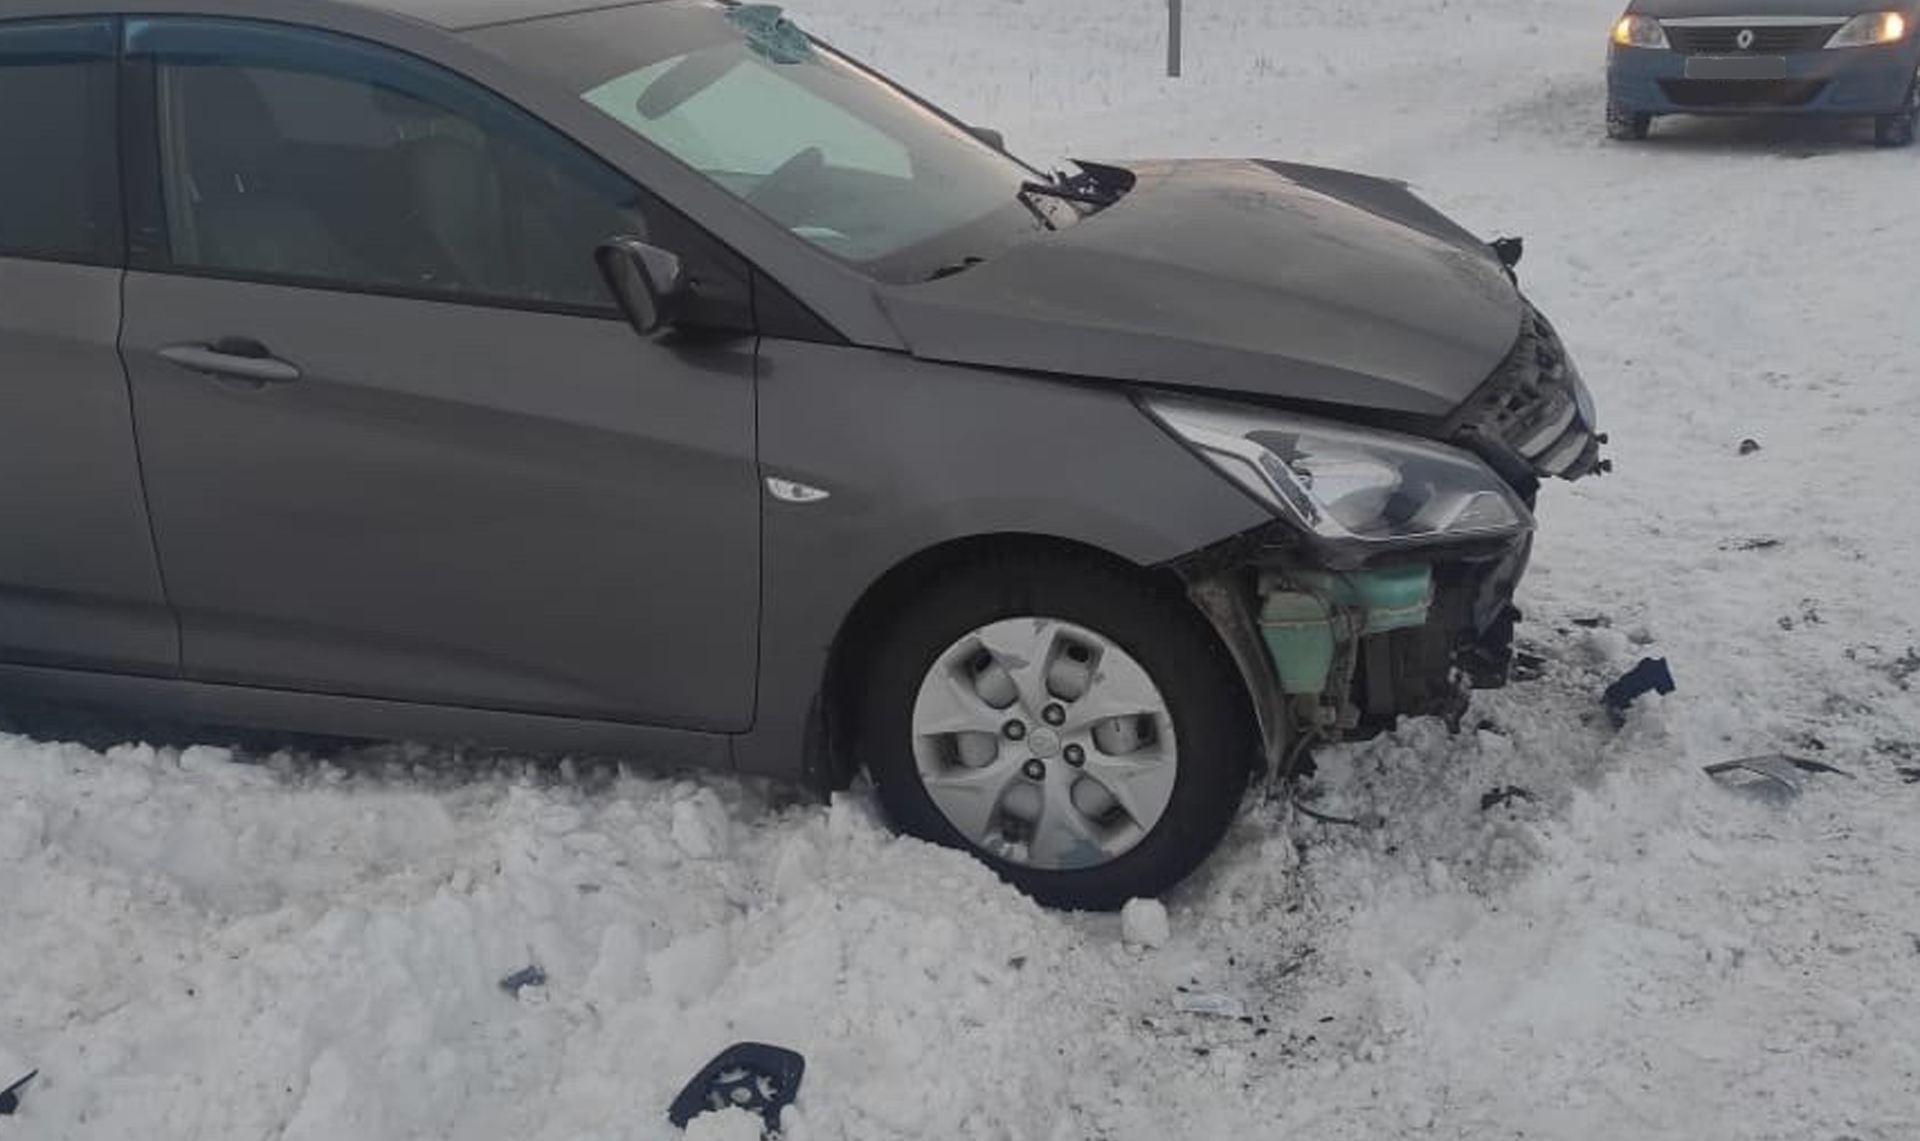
<point>1773,57</point>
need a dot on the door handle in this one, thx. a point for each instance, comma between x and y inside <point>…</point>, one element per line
<point>237,358</point>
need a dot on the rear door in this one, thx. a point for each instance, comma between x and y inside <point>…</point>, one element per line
<point>398,442</point>
<point>79,585</point>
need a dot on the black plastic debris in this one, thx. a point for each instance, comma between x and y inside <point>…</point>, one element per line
<point>1594,622</point>
<point>1774,773</point>
<point>1367,820</point>
<point>1500,796</point>
<point>525,977</point>
<point>10,1097</point>
<point>1509,251</point>
<point>1650,676</point>
<point>1749,446</point>
<point>752,1076</point>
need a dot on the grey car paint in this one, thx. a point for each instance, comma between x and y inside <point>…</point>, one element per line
<point>1242,277</point>
<point>994,451</point>
<point>451,502</point>
<point>992,454</point>
<point>78,580</point>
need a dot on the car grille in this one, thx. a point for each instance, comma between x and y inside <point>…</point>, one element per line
<point>1724,39</point>
<point>1742,92</point>
<point>1526,419</point>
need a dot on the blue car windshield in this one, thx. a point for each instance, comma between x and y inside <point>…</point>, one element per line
<point>838,156</point>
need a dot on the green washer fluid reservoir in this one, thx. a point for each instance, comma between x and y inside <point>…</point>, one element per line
<point>1298,625</point>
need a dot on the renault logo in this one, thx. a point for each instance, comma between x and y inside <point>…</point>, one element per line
<point>1745,39</point>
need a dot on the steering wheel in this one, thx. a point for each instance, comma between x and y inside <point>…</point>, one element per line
<point>791,175</point>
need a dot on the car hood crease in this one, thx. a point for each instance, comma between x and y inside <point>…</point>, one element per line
<point>1266,279</point>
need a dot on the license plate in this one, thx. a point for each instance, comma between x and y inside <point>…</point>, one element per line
<point>1737,67</point>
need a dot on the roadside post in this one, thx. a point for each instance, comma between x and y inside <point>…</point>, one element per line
<point>1173,39</point>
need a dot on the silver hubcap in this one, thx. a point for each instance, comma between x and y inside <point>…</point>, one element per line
<point>1044,743</point>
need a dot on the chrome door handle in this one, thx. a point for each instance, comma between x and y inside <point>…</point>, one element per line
<point>235,358</point>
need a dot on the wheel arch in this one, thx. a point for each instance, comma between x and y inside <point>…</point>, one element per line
<point>863,623</point>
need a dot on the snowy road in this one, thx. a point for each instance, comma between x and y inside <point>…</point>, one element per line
<point>301,948</point>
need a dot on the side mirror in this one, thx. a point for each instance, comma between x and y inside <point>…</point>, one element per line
<point>649,283</point>
<point>989,136</point>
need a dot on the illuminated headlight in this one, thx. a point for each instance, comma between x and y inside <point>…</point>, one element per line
<point>1870,28</point>
<point>1639,32</point>
<point>1348,486</point>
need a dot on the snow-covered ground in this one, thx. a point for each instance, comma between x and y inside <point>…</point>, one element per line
<point>200,947</point>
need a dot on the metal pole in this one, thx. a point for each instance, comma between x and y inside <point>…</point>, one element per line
<point>1173,39</point>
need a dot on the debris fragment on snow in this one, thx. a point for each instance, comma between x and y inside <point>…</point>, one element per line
<point>750,1077</point>
<point>527,976</point>
<point>1776,773</point>
<point>1144,923</point>
<point>15,1075</point>
<point>1651,675</point>
<point>1210,1005</point>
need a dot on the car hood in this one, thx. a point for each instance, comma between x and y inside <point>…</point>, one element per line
<point>1674,9</point>
<point>1290,282</point>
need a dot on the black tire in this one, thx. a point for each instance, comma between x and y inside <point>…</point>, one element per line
<point>1627,126</point>
<point>1206,701</point>
<point>1896,130</point>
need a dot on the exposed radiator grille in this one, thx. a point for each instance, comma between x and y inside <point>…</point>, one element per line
<point>1767,40</point>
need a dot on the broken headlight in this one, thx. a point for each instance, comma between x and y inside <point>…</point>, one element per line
<point>1346,486</point>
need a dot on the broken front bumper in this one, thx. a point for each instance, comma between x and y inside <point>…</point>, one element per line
<point>1333,655</point>
<point>1333,649</point>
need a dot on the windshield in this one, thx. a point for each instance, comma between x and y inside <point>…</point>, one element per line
<point>835,154</point>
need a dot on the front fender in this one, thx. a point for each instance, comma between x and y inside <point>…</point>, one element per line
<point>914,455</point>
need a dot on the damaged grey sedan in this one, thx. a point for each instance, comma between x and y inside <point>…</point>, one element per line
<point>651,379</point>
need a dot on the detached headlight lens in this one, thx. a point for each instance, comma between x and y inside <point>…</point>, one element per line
<point>1639,32</point>
<point>1347,485</point>
<point>1870,28</point>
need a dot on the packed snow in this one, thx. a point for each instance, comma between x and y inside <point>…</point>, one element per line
<point>199,945</point>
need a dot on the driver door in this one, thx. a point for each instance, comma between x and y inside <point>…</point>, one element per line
<point>397,441</point>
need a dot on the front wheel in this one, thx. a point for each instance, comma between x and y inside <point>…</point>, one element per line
<point>1627,125</point>
<point>1073,726</point>
<point>1896,130</point>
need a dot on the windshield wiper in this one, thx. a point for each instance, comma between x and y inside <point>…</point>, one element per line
<point>1071,190</point>
<point>1096,185</point>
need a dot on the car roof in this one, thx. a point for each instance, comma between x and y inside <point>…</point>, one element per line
<point>464,15</point>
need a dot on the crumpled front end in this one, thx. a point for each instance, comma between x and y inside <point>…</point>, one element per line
<point>1534,417</point>
<point>1339,640</point>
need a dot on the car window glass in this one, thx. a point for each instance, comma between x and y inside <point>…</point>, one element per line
<point>749,123</point>
<point>294,155</point>
<point>59,182</point>
<point>826,149</point>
